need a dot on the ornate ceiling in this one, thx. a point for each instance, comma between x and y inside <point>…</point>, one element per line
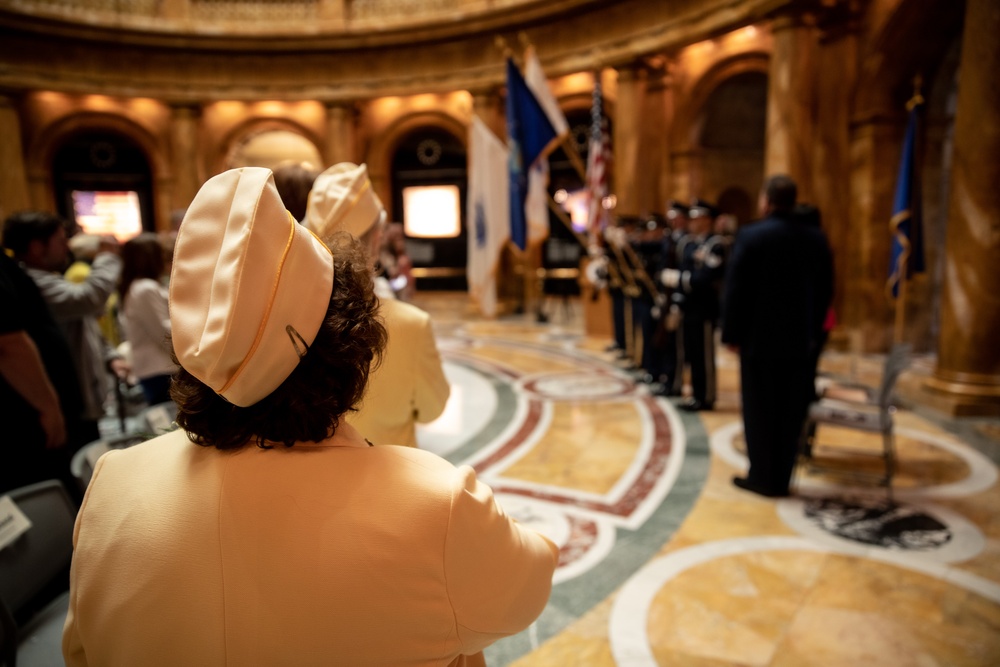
<point>330,50</point>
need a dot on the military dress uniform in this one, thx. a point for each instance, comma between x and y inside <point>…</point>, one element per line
<point>670,351</point>
<point>699,281</point>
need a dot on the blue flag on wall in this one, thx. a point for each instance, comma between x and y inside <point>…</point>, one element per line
<point>530,135</point>
<point>907,255</point>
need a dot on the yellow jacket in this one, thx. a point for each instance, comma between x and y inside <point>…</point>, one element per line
<point>409,387</point>
<point>331,553</point>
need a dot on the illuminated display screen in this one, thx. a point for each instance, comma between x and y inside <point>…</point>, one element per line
<point>431,212</point>
<point>108,213</point>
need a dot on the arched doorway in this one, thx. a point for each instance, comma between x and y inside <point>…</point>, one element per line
<point>731,139</point>
<point>103,182</point>
<point>429,177</point>
<point>273,149</point>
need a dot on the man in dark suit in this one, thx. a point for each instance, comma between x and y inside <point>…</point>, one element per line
<point>778,288</point>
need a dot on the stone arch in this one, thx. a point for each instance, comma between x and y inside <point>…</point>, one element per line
<point>250,128</point>
<point>43,148</point>
<point>685,129</point>
<point>383,147</point>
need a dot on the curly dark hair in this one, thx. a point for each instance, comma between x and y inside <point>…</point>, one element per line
<point>329,380</point>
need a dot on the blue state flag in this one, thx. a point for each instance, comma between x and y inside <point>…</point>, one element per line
<point>907,254</point>
<point>530,136</point>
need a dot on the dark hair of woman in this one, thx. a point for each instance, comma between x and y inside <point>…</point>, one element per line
<point>329,380</point>
<point>294,181</point>
<point>142,257</point>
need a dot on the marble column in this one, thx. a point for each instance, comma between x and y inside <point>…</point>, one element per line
<point>14,184</point>
<point>655,186</point>
<point>967,377</point>
<point>339,134</point>
<point>836,77</point>
<point>627,139</point>
<point>790,101</point>
<point>185,146</point>
<point>874,159</point>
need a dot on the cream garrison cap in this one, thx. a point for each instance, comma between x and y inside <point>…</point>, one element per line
<point>249,287</point>
<point>342,200</point>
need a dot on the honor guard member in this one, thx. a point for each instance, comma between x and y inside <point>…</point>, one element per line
<point>616,290</point>
<point>622,305</point>
<point>649,305</point>
<point>699,280</point>
<point>671,352</point>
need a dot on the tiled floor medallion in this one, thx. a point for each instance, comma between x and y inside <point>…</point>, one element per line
<point>879,523</point>
<point>583,542</point>
<point>872,523</point>
<point>578,386</point>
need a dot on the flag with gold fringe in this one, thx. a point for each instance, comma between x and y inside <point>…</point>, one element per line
<point>907,253</point>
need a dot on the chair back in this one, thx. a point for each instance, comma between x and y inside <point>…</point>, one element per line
<point>895,363</point>
<point>37,557</point>
<point>8,637</point>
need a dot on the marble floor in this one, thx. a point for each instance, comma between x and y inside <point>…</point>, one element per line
<point>664,562</point>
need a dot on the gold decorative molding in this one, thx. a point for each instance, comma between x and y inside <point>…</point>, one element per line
<point>44,53</point>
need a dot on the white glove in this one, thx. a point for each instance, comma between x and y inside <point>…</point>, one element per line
<point>596,272</point>
<point>670,277</point>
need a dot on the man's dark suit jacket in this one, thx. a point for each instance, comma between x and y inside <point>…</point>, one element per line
<point>778,288</point>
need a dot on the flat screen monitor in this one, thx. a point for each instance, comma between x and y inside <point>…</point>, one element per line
<point>108,213</point>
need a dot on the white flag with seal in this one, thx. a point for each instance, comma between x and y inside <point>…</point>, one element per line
<point>487,213</point>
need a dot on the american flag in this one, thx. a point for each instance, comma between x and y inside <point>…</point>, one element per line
<point>598,156</point>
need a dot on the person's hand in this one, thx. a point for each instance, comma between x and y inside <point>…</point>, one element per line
<point>109,244</point>
<point>735,349</point>
<point>54,426</point>
<point>120,368</point>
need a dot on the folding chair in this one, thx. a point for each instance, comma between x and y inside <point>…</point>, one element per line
<point>869,410</point>
<point>30,568</point>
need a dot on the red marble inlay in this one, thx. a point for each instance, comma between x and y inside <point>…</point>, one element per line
<point>582,537</point>
<point>652,469</point>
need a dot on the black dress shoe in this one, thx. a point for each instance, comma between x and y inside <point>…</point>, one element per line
<point>745,484</point>
<point>694,405</point>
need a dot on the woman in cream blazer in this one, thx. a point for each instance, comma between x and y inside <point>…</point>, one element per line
<point>266,531</point>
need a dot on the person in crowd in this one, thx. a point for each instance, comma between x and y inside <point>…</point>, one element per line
<point>617,285</point>
<point>266,530</point>
<point>39,241</point>
<point>83,248</point>
<point>778,289</point>
<point>410,387</point>
<point>396,263</point>
<point>294,182</point>
<point>648,305</point>
<point>698,282</point>
<point>39,390</point>
<point>146,316</point>
<point>671,350</point>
